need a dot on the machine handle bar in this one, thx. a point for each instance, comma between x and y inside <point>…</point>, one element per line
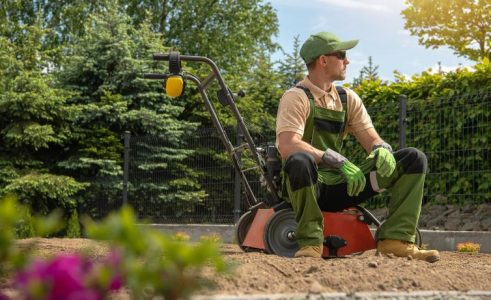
<point>155,76</point>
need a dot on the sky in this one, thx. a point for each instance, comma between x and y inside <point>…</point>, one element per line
<point>379,26</point>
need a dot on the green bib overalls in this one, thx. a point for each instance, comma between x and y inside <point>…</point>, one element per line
<point>312,189</point>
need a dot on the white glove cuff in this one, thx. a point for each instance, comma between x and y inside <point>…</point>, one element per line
<point>332,159</point>
<point>382,145</point>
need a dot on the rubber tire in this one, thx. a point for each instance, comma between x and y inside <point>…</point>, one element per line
<point>242,228</point>
<point>275,233</point>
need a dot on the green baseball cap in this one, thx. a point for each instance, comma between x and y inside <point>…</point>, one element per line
<point>323,43</point>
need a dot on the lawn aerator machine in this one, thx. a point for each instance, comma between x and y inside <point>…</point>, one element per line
<point>268,225</point>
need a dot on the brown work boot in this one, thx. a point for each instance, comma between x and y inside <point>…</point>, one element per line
<point>405,249</point>
<point>309,251</point>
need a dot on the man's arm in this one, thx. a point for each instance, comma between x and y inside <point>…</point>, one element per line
<point>368,138</point>
<point>291,142</point>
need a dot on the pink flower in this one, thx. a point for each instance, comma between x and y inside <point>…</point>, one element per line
<point>70,277</point>
<point>62,278</point>
<point>3,297</point>
<point>114,261</point>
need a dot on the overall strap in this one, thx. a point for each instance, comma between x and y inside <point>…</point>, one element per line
<point>344,101</point>
<point>342,94</point>
<point>309,123</point>
<point>307,92</point>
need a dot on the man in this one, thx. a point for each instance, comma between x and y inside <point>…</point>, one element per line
<point>313,119</point>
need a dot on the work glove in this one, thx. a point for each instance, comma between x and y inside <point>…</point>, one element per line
<point>355,178</point>
<point>384,159</point>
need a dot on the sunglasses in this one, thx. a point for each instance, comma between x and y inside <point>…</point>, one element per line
<point>339,54</point>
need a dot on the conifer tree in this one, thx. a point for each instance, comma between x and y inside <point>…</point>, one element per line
<point>293,66</point>
<point>370,72</point>
<point>105,69</point>
<point>35,123</point>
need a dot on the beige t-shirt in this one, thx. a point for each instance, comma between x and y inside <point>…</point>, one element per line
<point>294,108</point>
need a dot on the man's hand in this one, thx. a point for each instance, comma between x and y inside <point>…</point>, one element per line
<point>384,160</point>
<point>354,176</point>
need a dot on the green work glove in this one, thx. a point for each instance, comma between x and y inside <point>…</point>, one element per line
<point>354,178</point>
<point>384,160</point>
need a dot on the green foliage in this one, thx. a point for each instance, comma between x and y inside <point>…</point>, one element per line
<point>8,218</point>
<point>34,125</point>
<point>464,26</point>
<point>73,226</point>
<point>446,119</point>
<point>71,85</point>
<point>16,222</point>
<point>105,69</point>
<point>155,264</point>
<point>25,224</point>
<point>152,264</point>
<point>230,32</point>
<point>45,192</point>
<point>292,66</point>
<point>367,73</point>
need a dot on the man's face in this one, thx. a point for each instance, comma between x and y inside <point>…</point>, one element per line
<point>335,65</point>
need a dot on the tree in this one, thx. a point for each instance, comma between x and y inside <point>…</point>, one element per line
<point>370,72</point>
<point>104,71</point>
<point>35,125</point>
<point>230,32</point>
<point>462,25</point>
<point>293,66</point>
<point>358,80</point>
<point>367,73</point>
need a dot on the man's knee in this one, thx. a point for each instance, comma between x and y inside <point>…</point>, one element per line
<point>413,161</point>
<point>301,170</point>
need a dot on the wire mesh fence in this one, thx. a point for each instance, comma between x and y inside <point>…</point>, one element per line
<point>454,133</point>
<point>203,188</point>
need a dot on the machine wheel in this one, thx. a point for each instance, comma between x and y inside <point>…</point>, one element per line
<point>242,228</point>
<point>279,233</point>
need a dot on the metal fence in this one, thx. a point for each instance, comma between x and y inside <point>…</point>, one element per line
<point>453,132</point>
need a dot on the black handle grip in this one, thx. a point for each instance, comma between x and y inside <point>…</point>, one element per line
<point>155,76</point>
<point>158,56</point>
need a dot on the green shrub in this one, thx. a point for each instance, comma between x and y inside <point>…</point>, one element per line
<point>448,119</point>
<point>25,224</point>
<point>73,226</point>
<point>45,192</point>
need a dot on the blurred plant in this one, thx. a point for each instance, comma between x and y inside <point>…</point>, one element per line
<point>154,264</point>
<point>9,255</point>
<point>149,263</point>
<point>70,276</point>
<point>469,247</point>
<point>73,226</point>
<point>15,221</point>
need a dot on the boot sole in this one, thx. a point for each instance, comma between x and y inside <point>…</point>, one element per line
<point>432,259</point>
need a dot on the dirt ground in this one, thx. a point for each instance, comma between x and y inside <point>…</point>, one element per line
<point>258,273</point>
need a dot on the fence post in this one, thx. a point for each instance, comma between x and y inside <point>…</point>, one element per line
<point>237,183</point>
<point>126,165</point>
<point>402,120</point>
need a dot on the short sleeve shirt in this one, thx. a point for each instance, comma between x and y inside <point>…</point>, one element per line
<point>294,108</point>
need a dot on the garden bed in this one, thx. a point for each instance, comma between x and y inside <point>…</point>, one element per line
<point>258,273</point>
